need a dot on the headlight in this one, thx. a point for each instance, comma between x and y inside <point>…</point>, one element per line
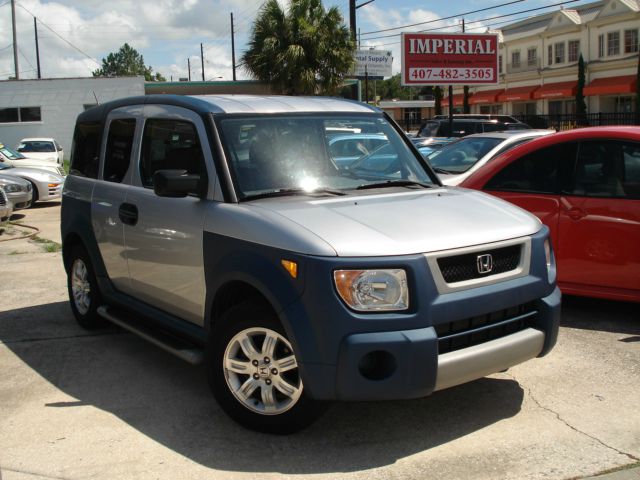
<point>11,188</point>
<point>551,264</point>
<point>373,290</point>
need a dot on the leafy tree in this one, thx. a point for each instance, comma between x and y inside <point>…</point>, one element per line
<point>581,106</point>
<point>304,50</point>
<point>127,62</point>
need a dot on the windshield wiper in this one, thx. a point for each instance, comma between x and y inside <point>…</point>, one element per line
<point>284,192</point>
<point>394,183</point>
<point>442,170</point>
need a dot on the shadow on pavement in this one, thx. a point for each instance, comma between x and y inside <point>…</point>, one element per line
<point>602,315</point>
<point>45,204</point>
<point>169,401</point>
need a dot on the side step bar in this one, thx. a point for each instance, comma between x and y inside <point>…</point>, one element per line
<point>181,349</point>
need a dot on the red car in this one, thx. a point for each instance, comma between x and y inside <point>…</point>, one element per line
<point>584,185</point>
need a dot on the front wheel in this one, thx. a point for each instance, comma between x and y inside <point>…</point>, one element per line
<point>254,373</point>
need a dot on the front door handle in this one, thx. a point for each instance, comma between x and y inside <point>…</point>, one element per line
<point>128,214</point>
<point>575,213</point>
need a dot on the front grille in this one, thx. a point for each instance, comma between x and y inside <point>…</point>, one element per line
<point>483,328</point>
<point>458,268</point>
<point>3,197</point>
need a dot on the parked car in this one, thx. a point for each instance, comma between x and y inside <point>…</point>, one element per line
<point>584,185</point>
<point>345,149</point>
<point>428,145</point>
<point>9,156</point>
<point>229,236</point>
<point>457,161</point>
<point>463,127</point>
<point>18,190</point>
<point>480,116</point>
<point>6,207</point>
<point>46,186</point>
<point>41,148</point>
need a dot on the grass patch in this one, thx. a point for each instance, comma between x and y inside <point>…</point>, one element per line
<point>65,165</point>
<point>48,246</point>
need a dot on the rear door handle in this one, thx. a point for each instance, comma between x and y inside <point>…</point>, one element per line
<point>128,214</point>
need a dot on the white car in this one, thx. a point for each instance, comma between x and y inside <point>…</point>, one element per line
<point>455,162</point>
<point>41,148</point>
<point>16,159</point>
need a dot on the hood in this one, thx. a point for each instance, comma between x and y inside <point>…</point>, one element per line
<point>37,173</point>
<point>11,178</point>
<point>45,157</point>
<point>404,223</point>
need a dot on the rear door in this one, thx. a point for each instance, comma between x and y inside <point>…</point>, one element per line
<point>600,216</point>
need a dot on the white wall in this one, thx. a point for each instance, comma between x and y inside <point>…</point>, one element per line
<point>60,100</point>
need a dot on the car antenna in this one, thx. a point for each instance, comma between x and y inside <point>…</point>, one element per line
<point>96,97</point>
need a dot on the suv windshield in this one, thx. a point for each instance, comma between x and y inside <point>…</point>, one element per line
<point>298,155</point>
<point>461,155</point>
<point>36,146</point>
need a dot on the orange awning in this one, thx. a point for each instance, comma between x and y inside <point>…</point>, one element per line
<point>517,93</point>
<point>612,85</point>
<point>488,96</point>
<point>559,89</point>
<point>457,100</point>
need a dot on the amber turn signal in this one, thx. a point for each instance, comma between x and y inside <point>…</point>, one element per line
<point>291,267</point>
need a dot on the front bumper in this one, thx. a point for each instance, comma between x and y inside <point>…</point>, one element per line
<point>50,191</point>
<point>20,200</point>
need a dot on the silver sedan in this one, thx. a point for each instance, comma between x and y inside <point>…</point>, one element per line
<point>18,191</point>
<point>46,185</point>
<point>6,207</point>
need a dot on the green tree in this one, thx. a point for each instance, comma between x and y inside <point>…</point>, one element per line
<point>581,105</point>
<point>127,62</point>
<point>304,50</point>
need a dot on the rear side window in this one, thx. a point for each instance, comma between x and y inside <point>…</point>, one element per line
<point>85,154</point>
<point>118,153</point>
<point>170,145</point>
<point>608,169</point>
<point>542,171</point>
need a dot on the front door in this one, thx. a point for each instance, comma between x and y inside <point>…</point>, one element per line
<point>164,246</point>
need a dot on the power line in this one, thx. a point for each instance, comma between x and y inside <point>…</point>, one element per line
<point>443,18</point>
<point>61,37</point>
<point>474,21</point>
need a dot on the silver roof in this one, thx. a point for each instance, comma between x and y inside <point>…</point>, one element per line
<point>282,104</point>
<point>534,132</point>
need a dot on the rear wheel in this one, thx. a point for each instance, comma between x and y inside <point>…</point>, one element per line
<point>254,373</point>
<point>83,289</point>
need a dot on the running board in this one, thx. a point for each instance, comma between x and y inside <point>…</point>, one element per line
<point>181,349</point>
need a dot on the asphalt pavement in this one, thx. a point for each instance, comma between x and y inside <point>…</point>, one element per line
<point>76,404</point>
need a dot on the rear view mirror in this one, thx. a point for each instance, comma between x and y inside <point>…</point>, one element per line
<point>176,183</point>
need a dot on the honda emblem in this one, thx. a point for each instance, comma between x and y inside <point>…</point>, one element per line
<point>484,263</point>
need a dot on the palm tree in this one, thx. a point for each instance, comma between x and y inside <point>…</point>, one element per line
<point>305,50</point>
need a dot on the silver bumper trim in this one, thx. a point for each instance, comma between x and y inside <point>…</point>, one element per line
<point>455,368</point>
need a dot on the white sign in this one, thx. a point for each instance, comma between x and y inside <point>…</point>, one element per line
<point>375,64</point>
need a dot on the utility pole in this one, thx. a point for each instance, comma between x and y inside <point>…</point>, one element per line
<point>189,67</point>
<point>233,50</point>
<point>202,61</point>
<point>15,39</point>
<point>35,29</point>
<point>355,89</point>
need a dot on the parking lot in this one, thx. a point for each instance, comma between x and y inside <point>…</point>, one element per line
<point>77,404</point>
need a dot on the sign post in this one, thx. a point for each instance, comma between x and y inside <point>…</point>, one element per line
<point>372,65</point>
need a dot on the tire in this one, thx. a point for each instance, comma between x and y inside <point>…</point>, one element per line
<point>84,294</point>
<point>34,194</point>
<point>274,401</point>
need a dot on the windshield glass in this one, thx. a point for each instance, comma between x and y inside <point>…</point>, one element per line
<point>34,146</point>
<point>316,153</point>
<point>460,156</point>
<point>10,154</point>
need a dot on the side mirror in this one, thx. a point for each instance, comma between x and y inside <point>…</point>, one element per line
<point>176,183</point>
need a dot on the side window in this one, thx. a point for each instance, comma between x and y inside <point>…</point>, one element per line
<point>608,169</point>
<point>542,171</point>
<point>510,146</point>
<point>170,144</point>
<point>85,154</point>
<point>118,153</point>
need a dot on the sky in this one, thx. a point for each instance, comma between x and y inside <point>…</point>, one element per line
<point>75,35</point>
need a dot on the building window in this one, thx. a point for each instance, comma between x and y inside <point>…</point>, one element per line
<point>559,56</point>
<point>515,59</point>
<point>550,55</point>
<point>499,63</point>
<point>631,41</point>
<point>613,43</point>
<point>574,50</point>
<point>532,57</point>
<point>20,114</point>
<point>600,46</point>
